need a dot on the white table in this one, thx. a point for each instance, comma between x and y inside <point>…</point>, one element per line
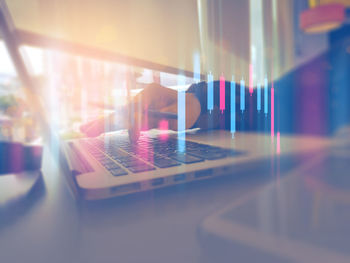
<point>50,225</point>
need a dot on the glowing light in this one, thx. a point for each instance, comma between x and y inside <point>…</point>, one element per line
<point>266,89</point>
<point>250,79</point>
<point>210,92</point>
<point>35,59</point>
<point>258,97</point>
<point>233,106</point>
<point>6,66</point>
<point>222,93</point>
<point>196,67</point>
<point>272,111</point>
<point>257,34</point>
<point>278,147</point>
<point>181,109</point>
<point>163,126</point>
<point>181,113</point>
<point>242,95</point>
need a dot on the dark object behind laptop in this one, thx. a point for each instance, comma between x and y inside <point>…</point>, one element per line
<point>18,157</point>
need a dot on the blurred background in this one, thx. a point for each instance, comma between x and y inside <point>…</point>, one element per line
<point>79,53</point>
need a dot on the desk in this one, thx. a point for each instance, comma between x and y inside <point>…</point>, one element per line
<point>155,226</point>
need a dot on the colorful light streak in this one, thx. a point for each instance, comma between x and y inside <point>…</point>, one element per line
<point>222,93</point>
<point>278,146</point>
<point>272,111</point>
<point>233,107</point>
<point>163,126</point>
<point>266,92</point>
<point>251,79</point>
<point>210,92</point>
<point>242,106</point>
<point>196,67</point>
<point>258,97</point>
<point>181,112</point>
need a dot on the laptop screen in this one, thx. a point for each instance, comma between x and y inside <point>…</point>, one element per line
<point>191,36</point>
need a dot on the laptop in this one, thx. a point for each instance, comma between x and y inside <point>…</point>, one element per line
<point>111,165</point>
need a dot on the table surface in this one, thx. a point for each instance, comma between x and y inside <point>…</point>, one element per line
<point>48,224</point>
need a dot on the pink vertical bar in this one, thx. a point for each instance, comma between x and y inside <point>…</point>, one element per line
<point>272,111</point>
<point>145,154</point>
<point>278,148</point>
<point>163,126</point>
<point>250,79</point>
<point>144,120</point>
<point>222,93</point>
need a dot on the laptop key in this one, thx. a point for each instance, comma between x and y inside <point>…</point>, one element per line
<point>185,158</point>
<point>122,159</point>
<point>118,172</point>
<point>165,162</point>
<point>120,155</point>
<point>142,168</point>
<point>106,161</point>
<point>132,163</point>
<point>112,166</point>
<point>148,158</point>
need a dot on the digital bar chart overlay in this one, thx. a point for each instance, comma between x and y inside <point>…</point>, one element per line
<point>233,107</point>
<point>250,79</point>
<point>181,113</point>
<point>258,97</point>
<point>210,92</point>
<point>278,144</point>
<point>266,90</point>
<point>272,111</point>
<point>222,93</point>
<point>242,93</point>
<point>196,67</point>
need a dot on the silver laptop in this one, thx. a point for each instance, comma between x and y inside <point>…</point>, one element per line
<point>111,165</point>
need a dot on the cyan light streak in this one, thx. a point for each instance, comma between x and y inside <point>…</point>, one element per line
<point>181,110</point>
<point>242,95</point>
<point>210,92</point>
<point>181,114</point>
<point>266,89</point>
<point>258,97</point>
<point>233,107</point>
<point>257,33</point>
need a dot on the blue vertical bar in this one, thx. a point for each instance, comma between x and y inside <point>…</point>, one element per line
<point>266,89</point>
<point>181,114</point>
<point>258,97</point>
<point>196,67</point>
<point>242,95</point>
<point>181,110</point>
<point>233,106</point>
<point>210,92</point>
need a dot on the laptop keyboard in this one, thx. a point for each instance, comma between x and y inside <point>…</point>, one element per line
<point>120,156</point>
